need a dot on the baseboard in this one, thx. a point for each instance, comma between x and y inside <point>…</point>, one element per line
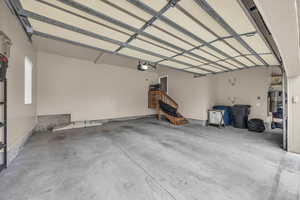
<point>197,121</point>
<point>124,118</point>
<point>94,123</point>
<point>13,152</point>
<point>50,122</point>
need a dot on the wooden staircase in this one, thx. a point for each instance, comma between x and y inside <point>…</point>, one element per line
<point>153,102</point>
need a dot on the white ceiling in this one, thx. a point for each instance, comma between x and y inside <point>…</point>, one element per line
<point>187,26</point>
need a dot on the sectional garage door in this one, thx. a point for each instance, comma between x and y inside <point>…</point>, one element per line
<point>197,36</point>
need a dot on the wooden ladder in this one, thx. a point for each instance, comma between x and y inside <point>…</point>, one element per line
<point>155,97</point>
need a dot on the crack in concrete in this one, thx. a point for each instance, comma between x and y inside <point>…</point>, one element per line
<point>276,181</point>
<point>144,170</point>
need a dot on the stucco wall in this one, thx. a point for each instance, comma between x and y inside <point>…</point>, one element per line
<point>194,95</point>
<point>281,18</point>
<point>90,91</point>
<point>248,87</point>
<point>21,117</point>
<point>294,114</point>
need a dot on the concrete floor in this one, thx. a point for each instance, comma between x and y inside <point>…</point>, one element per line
<point>149,159</point>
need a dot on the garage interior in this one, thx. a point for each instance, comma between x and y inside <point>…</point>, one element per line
<point>137,99</point>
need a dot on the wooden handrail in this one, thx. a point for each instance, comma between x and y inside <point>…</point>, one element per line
<point>164,97</point>
<point>156,96</point>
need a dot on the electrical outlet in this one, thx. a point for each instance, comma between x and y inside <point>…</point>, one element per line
<point>295,99</point>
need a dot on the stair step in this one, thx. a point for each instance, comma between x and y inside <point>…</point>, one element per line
<point>162,100</point>
<point>181,122</point>
<point>2,145</point>
<point>2,166</point>
<point>175,120</point>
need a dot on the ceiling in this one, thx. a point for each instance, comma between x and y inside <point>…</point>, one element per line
<point>197,36</point>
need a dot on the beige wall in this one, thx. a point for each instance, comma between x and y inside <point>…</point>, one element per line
<point>294,115</point>
<point>21,117</point>
<point>90,91</point>
<point>282,20</point>
<point>249,86</point>
<point>194,95</point>
<point>99,91</point>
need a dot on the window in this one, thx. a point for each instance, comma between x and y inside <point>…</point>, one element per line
<point>28,81</point>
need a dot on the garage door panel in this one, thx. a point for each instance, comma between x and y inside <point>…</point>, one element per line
<point>166,37</point>
<point>227,64</point>
<point>233,14</point>
<point>156,5</point>
<point>191,21</point>
<point>257,43</point>
<point>150,47</point>
<point>209,50</point>
<point>189,60</point>
<point>233,42</point>
<point>70,19</point>
<point>232,62</point>
<point>245,61</point>
<point>158,44</point>
<point>254,59</point>
<point>205,55</point>
<point>187,23</point>
<point>202,16</point>
<point>177,33</point>
<point>225,48</point>
<point>70,35</point>
<point>175,65</point>
<point>197,70</point>
<point>212,67</point>
<point>270,59</point>
<point>115,13</point>
<point>139,55</point>
<point>30,4</point>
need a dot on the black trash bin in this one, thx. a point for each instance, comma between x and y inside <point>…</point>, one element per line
<point>256,125</point>
<point>240,115</point>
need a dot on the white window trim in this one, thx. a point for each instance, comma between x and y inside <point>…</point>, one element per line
<point>28,81</point>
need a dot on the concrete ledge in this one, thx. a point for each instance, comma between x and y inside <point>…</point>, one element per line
<point>48,122</point>
<point>92,123</point>
<point>197,121</point>
<point>123,118</point>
